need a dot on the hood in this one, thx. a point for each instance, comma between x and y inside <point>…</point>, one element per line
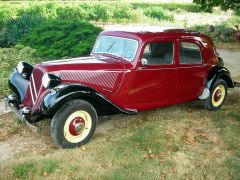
<point>83,63</point>
<point>98,72</point>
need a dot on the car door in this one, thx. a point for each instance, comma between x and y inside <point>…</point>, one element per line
<point>155,76</point>
<point>191,71</point>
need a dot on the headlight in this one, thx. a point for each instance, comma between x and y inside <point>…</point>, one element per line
<point>20,67</point>
<point>25,69</point>
<point>50,80</point>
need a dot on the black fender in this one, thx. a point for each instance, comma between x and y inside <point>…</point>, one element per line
<point>18,84</point>
<point>219,72</point>
<point>63,93</point>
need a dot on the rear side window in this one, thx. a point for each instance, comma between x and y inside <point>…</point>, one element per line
<point>190,53</point>
<point>158,53</point>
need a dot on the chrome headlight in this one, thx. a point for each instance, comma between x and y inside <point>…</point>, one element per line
<point>25,69</point>
<point>50,80</point>
<point>20,67</point>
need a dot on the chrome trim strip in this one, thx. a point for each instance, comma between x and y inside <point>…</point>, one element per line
<point>34,86</point>
<point>30,86</point>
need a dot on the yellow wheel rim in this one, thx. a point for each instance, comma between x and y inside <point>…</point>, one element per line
<point>218,95</point>
<point>77,126</point>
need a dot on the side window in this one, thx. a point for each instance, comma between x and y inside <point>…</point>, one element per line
<point>190,53</point>
<point>158,53</point>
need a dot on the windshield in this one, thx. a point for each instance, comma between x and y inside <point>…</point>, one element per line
<point>123,47</point>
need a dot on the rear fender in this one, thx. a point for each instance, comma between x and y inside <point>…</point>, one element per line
<point>219,72</point>
<point>215,73</point>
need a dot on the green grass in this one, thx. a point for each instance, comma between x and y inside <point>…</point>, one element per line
<point>49,166</point>
<point>173,142</point>
<point>24,170</point>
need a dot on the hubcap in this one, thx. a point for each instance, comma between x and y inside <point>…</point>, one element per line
<point>77,126</point>
<point>218,95</point>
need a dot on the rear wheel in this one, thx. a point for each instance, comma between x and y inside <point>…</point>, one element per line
<point>217,96</point>
<point>73,124</point>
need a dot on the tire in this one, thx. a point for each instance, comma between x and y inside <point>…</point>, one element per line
<point>73,124</point>
<point>218,95</point>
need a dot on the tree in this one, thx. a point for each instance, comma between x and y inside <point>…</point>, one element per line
<point>207,5</point>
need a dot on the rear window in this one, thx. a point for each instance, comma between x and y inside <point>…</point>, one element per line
<point>190,53</point>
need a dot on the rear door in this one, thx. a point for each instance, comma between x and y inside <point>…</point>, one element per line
<point>191,70</point>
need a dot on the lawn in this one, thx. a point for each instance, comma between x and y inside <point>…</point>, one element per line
<point>183,141</point>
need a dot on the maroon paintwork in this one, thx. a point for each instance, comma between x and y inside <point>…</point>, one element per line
<point>131,85</point>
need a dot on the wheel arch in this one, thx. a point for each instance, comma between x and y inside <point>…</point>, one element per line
<point>219,72</point>
<point>64,93</point>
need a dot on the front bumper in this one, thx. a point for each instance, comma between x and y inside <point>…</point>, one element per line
<point>20,113</point>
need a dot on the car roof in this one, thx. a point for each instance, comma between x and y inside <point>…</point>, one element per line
<point>144,32</point>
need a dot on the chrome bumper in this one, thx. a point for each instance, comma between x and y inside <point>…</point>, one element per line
<point>20,113</point>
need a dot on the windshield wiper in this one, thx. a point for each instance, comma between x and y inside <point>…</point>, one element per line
<point>111,46</point>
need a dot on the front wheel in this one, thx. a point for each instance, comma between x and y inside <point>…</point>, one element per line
<point>73,124</point>
<point>217,96</point>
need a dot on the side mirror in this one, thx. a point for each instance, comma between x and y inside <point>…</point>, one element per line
<point>144,61</point>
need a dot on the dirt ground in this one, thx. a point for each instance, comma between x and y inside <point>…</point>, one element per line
<point>21,140</point>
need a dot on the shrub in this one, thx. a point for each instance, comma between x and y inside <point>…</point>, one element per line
<point>5,15</point>
<point>101,12</point>
<point>62,38</point>
<point>190,7</point>
<point>123,12</point>
<point>158,13</point>
<point>9,58</point>
<point>219,33</point>
<point>71,13</point>
<point>25,21</point>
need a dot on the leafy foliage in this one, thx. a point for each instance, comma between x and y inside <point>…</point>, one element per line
<point>62,38</point>
<point>9,58</point>
<point>71,13</point>
<point>122,12</point>
<point>224,5</point>
<point>5,15</point>
<point>189,7</point>
<point>158,13</point>
<point>219,33</point>
<point>101,12</point>
<point>15,28</point>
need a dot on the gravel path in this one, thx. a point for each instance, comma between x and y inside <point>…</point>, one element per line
<point>3,110</point>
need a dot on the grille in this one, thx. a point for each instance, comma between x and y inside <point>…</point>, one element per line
<point>35,84</point>
<point>35,91</point>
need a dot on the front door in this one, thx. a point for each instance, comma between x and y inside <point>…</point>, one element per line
<point>155,80</point>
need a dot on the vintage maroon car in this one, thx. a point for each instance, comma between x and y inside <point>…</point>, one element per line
<point>127,71</point>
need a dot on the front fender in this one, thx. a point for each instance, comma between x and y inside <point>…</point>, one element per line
<point>18,84</point>
<point>63,93</point>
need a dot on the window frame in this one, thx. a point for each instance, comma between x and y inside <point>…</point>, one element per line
<point>159,40</point>
<point>120,37</point>
<point>179,52</point>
